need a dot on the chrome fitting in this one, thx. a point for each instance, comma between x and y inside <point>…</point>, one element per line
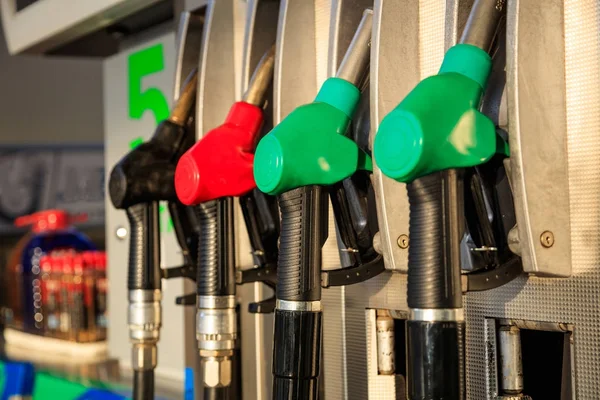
<point>143,356</point>
<point>144,315</point>
<point>311,306</point>
<point>216,328</point>
<point>437,314</point>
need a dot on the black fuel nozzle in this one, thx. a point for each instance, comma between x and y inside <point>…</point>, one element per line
<point>137,183</point>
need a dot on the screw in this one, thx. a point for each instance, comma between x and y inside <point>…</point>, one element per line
<point>547,239</point>
<point>402,241</point>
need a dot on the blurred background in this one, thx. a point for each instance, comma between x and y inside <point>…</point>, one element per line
<point>72,103</point>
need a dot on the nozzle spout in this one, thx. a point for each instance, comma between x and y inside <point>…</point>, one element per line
<point>356,60</point>
<point>261,79</point>
<point>183,107</point>
<point>483,22</point>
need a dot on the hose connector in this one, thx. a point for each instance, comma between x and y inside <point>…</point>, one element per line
<point>216,332</point>
<point>144,315</point>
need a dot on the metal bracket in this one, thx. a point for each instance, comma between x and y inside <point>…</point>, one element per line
<point>493,278</point>
<point>186,300</point>
<point>352,275</point>
<point>266,274</point>
<point>183,271</point>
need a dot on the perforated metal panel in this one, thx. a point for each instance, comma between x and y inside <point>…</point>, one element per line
<point>573,300</point>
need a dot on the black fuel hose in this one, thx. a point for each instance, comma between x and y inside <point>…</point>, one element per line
<point>143,384</point>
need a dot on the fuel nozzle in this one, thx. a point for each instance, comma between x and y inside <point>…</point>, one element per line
<point>306,151</point>
<point>137,183</point>
<point>146,173</point>
<point>426,141</point>
<point>220,164</point>
<point>209,175</point>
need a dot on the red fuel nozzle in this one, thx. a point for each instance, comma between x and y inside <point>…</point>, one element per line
<point>221,163</point>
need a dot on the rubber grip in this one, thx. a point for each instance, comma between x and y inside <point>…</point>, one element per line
<point>144,247</point>
<point>216,248</point>
<point>435,232</point>
<point>304,213</point>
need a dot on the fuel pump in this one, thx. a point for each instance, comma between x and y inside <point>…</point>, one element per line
<point>299,160</point>
<point>137,183</point>
<point>214,171</point>
<point>430,141</point>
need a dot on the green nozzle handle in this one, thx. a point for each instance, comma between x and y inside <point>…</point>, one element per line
<point>309,147</point>
<point>438,125</point>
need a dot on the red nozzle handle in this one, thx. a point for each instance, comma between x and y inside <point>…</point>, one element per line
<point>220,164</point>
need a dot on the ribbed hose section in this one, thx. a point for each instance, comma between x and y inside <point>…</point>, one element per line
<point>432,279</point>
<point>143,385</point>
<point>144,247</point>
<point>303,233</point>
<point>216,248</point>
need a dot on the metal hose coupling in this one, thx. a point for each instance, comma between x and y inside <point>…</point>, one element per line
<point>216,332</point>
<point>144,319</point>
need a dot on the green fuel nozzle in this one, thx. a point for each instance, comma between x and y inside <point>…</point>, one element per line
<point>309,146</point>
<point>438,125</point>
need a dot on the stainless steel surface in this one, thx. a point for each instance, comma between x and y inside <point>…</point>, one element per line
<point>215,301</point>
<point>538,133</point>
<point>571,300</point>
<point>511,364</point>
<point>220,62</point>
<point>144,356</point>
<point>538,325</point>
<point>386,363</point>
<point>336,23</point>
<point>144,315</point>
<point>301,51</point>
<point>356,61</point>
<point>188,42</point>
<point>141,295</point>
<point>514,242</point>
<point>256,337</point>
<point>286,305</point>
<point>407,46</point>
<point>216,371</point>
<point>396,67</point>
<point>436,314</point>
<point>216,329</point>
<point>482,23</point>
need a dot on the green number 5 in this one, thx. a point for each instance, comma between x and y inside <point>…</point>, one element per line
<point>141,64</point>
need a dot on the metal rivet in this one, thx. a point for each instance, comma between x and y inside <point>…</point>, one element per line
<point>547,239</point>
<point>402,241</point>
